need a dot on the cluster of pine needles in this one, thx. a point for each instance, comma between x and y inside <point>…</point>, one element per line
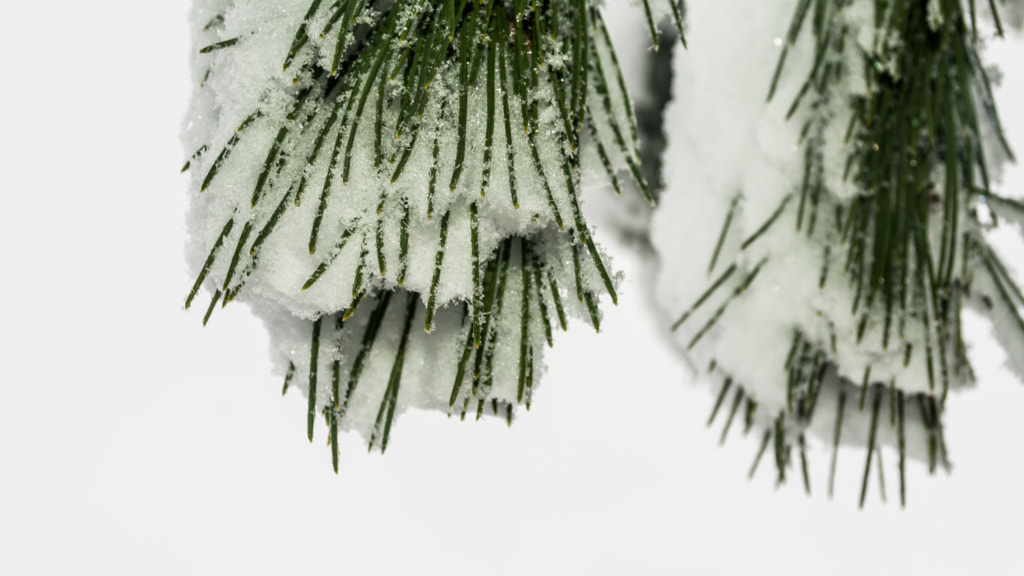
<point>383,72</point>
<point>909,243</point>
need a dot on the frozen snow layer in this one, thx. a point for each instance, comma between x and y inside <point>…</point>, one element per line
<point>350,155</point>
<point>791,268</point>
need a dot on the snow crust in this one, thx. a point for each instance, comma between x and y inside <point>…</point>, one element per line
<point>730,150</point>
<point>243,110</point>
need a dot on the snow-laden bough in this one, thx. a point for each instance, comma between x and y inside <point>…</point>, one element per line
<point>841,223</point>
<point>362,168</point>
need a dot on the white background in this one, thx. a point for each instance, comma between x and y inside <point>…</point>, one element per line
<point>133,441</point>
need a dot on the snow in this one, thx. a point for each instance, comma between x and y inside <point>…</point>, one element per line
<point>729,147</point>
<point>269,133</point>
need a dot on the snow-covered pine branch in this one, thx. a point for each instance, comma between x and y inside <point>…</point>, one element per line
<point>362,168</point>
<point>842,224</point>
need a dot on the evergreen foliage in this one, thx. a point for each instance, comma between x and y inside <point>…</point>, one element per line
<point>426,155</point>
<point>910,239</point>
